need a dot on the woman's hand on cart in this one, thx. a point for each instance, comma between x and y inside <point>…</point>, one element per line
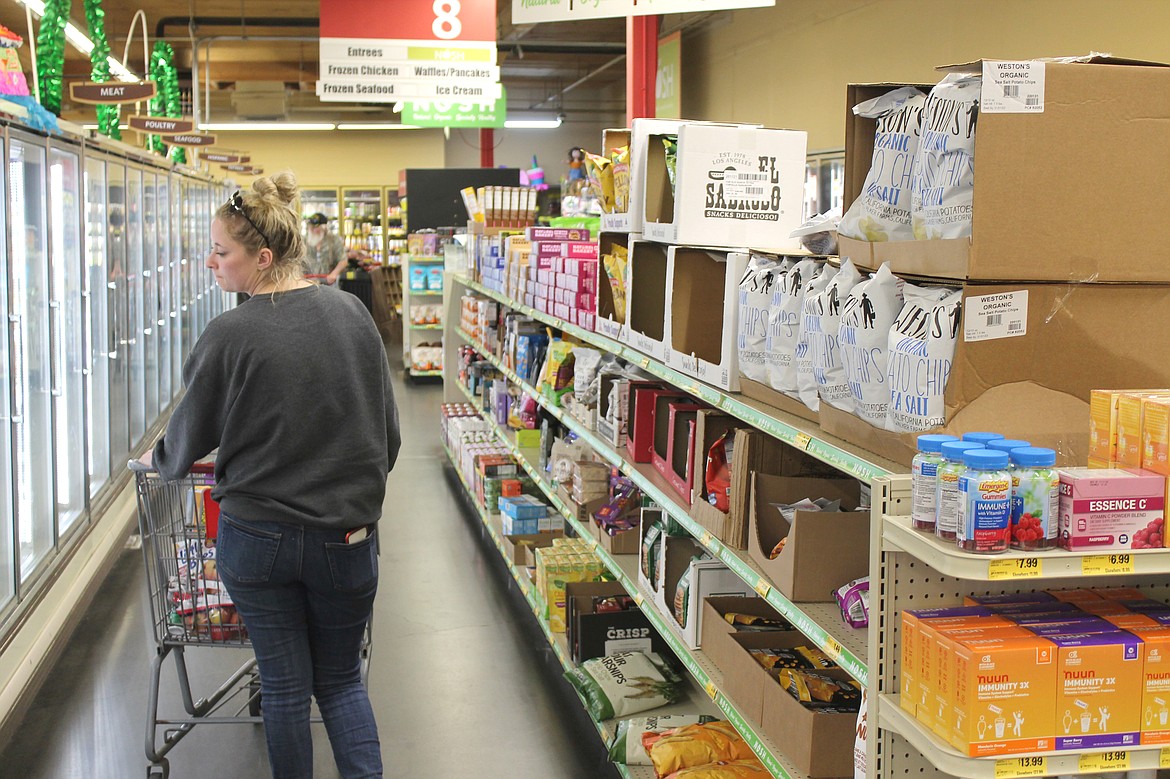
<point>147,459</point>
<point>323,278</point>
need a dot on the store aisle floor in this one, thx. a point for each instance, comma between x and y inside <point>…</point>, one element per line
<point>460,677</point>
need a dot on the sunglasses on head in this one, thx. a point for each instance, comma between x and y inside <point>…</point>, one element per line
<point>236,203</point>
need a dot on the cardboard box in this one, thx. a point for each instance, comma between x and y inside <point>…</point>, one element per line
<point>708,578</point>
<point>735,186</point>
<point>607,322</point>
<point>818,743</point>
<point>521,550</point>
<point>1155,686</point>
<point>777,400</point>
<point>703,306</point>
<point>625,542</point>
<point>668,417</point>
<point>640,132</point>
<point>640,429</point>
<point>583,512</point>
<point>591,634</point>
<point>997,384</point>
<point>1045,205</point>
<point>612,427</point>
<point>1099,682</point>
<point>647,326</point>
<point>710,425</point>
<point>720,638</point>
<point>746,681</point>
<point>824,550</point>
<point>615,138</point>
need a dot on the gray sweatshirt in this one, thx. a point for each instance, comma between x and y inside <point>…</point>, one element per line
<point>295,393</point>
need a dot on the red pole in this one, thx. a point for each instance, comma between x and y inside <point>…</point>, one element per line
<point>641,66</point>
<point>487,147</point>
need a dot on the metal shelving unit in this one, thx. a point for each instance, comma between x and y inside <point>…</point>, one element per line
<point>429,297</point>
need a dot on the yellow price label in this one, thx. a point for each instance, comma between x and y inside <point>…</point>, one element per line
<point>710,689</point>
<point>552,641</point>
<point>1100,762</point>
<point>1015,568</point>
<point>833,647</point>
<point>638,598</point>
<point>803,440</point>
<point>1107,564</point>
<point>706,538</point>
<point>1164,758</point>
<point>1016,767</point>
<point>763,588</point>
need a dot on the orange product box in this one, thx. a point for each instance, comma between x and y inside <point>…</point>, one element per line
<point>1099,680</point>
<point>1100,465</point>
<point>1103,427</point>
<point>945,641</point>
<point>1002,701</point>
<point>1105,608</point>
<point>910,664</point>
<point>1008,599</point>
<point>1155,685</point>
<point>1131,621</point>
<point>1130,406</point>
<point>1156,435</point>
<point>1121,593</point>
<point>928,658</point>
<point>1075,596</point>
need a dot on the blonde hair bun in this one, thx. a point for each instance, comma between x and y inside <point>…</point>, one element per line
<point>278,190</point>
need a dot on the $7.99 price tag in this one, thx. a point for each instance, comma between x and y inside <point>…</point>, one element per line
<point>1015,568</point>
<point>1016,767</point>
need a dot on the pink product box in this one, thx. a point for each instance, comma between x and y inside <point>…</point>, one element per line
<point>557,234</point>
<point>577,283</point>
<point>543,305</point>
<point>579,267</point>
<point>540,263</point>
<point>583,250</point>
<point>546,277</point>
<point>585,301</point>
<point>530,287</point>
<point>1111,508</point>
<point>562,311</point>
<point>585,319</point>
<point>530,300</point>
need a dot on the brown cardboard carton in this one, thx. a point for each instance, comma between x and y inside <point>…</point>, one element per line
<point>520,548</point>
<point>1074,336</point>
<point>819,744</point>
<point>647,326</point>
<point>709,426</point>
<point>824,550</point>
<point>744,680</point>
<point>583,512</point>
<point>607,322</point>
<point>720,639</point>
<point>1038,216</point>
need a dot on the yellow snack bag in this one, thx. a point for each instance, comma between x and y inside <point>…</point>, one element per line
<point>620,157</point>
<point>615,268</point>
<point>600,172</point>
<point>738,769</point>
<point>695,745</point>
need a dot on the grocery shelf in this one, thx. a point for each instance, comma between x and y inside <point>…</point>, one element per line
<point>1014,564</point>
<point>788,428</point>
<point>426,260</point>
<point>945,758</point>
<point>413,372</point>
<point>414,292</point>
<point>849,647</point>
<point>624,569</point>
<point>426,327</point>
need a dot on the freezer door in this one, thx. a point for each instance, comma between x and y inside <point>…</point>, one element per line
<point>97,338</point>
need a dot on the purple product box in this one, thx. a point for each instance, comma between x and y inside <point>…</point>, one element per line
<point>951,611</point>
<point>557,234</point>
<point>1053,607</point>
<point>1092,625</point>
<point>1012,597</point>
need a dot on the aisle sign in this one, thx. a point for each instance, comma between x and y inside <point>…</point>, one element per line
<point>668,84</point>
<point>442,113</point>
<point>424,50</point>
<point>110,92</point>
<point>161,125</point>
<point>529,11</point>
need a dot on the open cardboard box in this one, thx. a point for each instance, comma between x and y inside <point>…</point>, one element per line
<point>708,578</point>
<point>607,322</point>
<point>1073,335</point>
<point>583,512</point>
<point>520,549</point>
<point>647,327</point>
<point>640,134</point>
<point>703,306</point>
<point>645,397</point>
<point>824,549</point>
<point>735,186</point>
<point>710,425</point>
<point>592,634</point>
<point>1038,216</point>
<point>818,743</point>
<point>614,138</point>
<point>668,416</point>
<point>721,643</point>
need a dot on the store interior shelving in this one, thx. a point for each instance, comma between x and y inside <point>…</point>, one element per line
<point>416,334</point>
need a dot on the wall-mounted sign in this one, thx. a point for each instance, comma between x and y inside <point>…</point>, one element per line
<point>528,11</point>
<point>110,92</point>
<point>237,168</point>
<point>668,84</point>
<point>214,156</point>
<point>245,158</point>
<point>425,50</point>
<point>441,113</point>
<point>161,125</point>
<point>192,139</point>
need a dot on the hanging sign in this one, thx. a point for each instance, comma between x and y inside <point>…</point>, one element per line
<point>425,50</point>
<point>161,125</point>
<point>441,113</point>
<point>245,158</point>
<point>528,11</point>
<point>215,156</point>
<point>668,83</point>
<point>237,168</point>
<point>192,139</point>
<point>110,92</point>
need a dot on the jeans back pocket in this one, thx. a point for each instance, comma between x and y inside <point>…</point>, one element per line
<point>354,567</point>
<point>246,554</point>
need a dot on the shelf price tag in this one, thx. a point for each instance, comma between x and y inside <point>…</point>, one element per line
<point>803,440</point>
<point>1101,762</point>
<point>1021,767</point>
<point>638,598</point>
<point>833,648</point>
<point>1107,564</point>
<point>1164,758</point>
<point>709,687</point>
<point>706,538</point>
<point>763,588</point>
<point>1015,568</point>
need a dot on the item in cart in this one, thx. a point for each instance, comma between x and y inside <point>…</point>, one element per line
<point>755,297</point>
<point>947,494</point>
<point>626,747</point>
<point>815,690</point>
<point>1111,509</point>
<point>881,211</point>
<point>924,479</point>
<point>615,264</point>
<point>867,315</point>
<point>738,769</point>
<point>1035,498</point>
<point>819,234</point>
<point>784,325</point>
<point>620,157</point>
<point>625,683</point>
<point>985,502</point>
<point>921,347</point>
<point>853,600</point>
<point>824,338</point>
<point>691,746</point>
<point>802,359</point>
<point>944,174</point>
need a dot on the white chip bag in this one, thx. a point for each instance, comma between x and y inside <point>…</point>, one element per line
<point>784,325</point>
<point>944,177</point>
<point>863,336</point>
<point>921,351</point>
<point>755,297</point>
<point>806,383</point>
<point>822,340</point>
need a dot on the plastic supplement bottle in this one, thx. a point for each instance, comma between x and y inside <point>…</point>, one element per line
<point>1035,498</point>
<point>924,479</point>
<point>946,493</point>
<point>983,439</point>
<point>985,502</point>
<point>1006,445</point>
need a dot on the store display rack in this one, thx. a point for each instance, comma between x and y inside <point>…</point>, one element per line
<point>820,622</point>
<point>421,374</point>
<point>624,569</point>
<point>426,327</point>
<point>410,339</point>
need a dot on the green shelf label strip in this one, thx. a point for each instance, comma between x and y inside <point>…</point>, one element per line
<point>846,461</point>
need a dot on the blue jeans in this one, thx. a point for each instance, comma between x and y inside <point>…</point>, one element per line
<point>305,597</point>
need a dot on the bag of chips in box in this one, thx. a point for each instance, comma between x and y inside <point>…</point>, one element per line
<point>755,298</point>
<point>616,270</point>
<point>863,336</point>
<point>717,473</point>
<point>784,324</point>
<point>620,157</point>
<point>944,175</point>
<point>921,350</point>
<point>626,747</point>
<point>828,372</point>
<point>802,359</point>
<point>625,683</point>
<point>694,745</point>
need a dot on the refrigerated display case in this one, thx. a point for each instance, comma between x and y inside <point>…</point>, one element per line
<point>136,343</point>
<point>321,200</point>
<point>361,226</point>
<point>148,332</point>
<point>395,224</point>
<point>97,356</point>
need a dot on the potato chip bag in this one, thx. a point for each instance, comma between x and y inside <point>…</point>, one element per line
<point>921,349</point>
<point>626,747</point>
<point>827,369</point>
<point>620,157</point>
<point>738,769</point>
<point>802,358</point>
<point>600,172</point>
<point>944,175</point>
<point>755,299</point>
<point>863,336</point>
<point>615,268</point>
<point>784,324</point>
<point>881,211</point>
<point>695,745</point>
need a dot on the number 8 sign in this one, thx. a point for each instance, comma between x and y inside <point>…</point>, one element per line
<point>446,25</point>
<point>417,20</point>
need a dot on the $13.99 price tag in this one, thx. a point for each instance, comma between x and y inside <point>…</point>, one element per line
<point>1015,568</point>
<point>1100,762</point>
<point>1107,564</point>
<point>1016,767</point>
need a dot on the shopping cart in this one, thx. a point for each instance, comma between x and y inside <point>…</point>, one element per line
<point>188,607</point>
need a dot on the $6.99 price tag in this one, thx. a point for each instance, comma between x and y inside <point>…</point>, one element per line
<point>1016,767</point>
<point>1107,564</point>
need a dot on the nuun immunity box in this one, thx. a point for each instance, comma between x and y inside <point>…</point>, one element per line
<point>1099,679</point>
<point>1155,685</point>
<point>1110,508</point>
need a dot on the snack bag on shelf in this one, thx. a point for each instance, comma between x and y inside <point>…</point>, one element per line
<point>670,144</point>
<point>620,157</point>
<point>626,747</point>
<point>717,472</point>
<point>853,600</point>
<point>418,279</point>
<point>882,211</point>
<point>586,381</point>
<point>784,324</point>
<point>435,278</point>
<point>802,364</point>
<point>815,690</point>
<point>625,683</point>
<point>944,175</point>
<point>755,298</point>
<point>600,172</point>
<point>691,746</point>
<point>557,376</point>
<point>823,340</point>
<point>921,347</point>
<point>866,319</point>
<point>617,271</point>
<point>738,769</point>
<point>819,234</point>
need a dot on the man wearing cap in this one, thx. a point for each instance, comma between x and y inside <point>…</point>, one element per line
<point>325,254</point>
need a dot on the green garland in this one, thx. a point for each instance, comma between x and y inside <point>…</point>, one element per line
<point>50,62</point>
<point>167,101</point>
<point>107,115</point>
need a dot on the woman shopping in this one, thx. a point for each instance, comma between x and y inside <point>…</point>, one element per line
<point>293,388</point>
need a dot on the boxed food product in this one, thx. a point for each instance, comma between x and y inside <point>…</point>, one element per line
<point>557,566</point>
<point>645,398</point>
<point>674,444</point>
<point>1103,427</point>
<point>726,617</point>
<point>688,578</point>
<point>1130,442</point>
<point>521,550</point>
<point>1155,705</point>
<point>1099,682</point>
<point>1111,509</point>
<point>1155,438</point>
<point>913,687</point>
<point>604,620</point>
<point>703,308</point>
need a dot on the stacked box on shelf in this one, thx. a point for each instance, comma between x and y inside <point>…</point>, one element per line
<point>452,411</point>
<point>525,515</point>
<point>567,560</point>
<point>562,276</point>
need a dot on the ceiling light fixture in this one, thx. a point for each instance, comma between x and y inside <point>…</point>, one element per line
<point>533,124</point>
<point>376,126</point>
<point>267,126</point>
<point>81,41</point>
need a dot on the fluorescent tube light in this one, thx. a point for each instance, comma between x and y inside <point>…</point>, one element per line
<point>533,124</point>
<point>81,41</point>
<point>267,126</point>
<point>376,126</point>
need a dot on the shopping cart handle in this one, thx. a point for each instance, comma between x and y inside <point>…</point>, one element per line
<point>139,467</point>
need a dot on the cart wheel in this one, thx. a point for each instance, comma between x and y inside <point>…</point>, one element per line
<point>254,701</point>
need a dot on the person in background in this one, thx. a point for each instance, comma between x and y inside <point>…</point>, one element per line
<point>292,387</point>
<point>325,254</point>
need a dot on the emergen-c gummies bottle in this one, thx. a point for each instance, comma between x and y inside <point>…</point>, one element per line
<point>983,439</point>
<point>924,479</point>
<point>1035,498</point>
<point>985,502</point>
<point>1007,445</point>
<point>946,494</point>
